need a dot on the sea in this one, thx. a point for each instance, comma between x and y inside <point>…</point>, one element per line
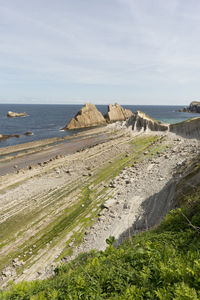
<point>46,121</point>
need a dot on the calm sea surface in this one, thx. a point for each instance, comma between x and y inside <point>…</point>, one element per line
<point>45,121</point>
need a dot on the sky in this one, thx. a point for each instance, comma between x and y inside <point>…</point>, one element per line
<point>101,51</point>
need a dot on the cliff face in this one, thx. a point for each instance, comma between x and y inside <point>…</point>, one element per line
<point>142,122</point>
<point>189,128</point>
<point>193,107</point>
<point>117,113</point>
<point>88,116</point>
<point>12,114</point>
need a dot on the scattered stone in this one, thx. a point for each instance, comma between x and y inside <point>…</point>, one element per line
<point>109,203</point>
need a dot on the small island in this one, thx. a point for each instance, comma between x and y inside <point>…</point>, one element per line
<point>12,114</point>
<point>194,107</point>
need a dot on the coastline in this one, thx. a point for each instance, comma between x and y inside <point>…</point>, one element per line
<point>84,197</point>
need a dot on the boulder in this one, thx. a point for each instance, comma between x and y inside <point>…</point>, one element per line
<point>12,114</point>
<point>117,113</point>
<point>142,122</point>
<point>88,116</point>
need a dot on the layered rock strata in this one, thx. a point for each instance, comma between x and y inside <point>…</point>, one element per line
<point>12,114</point>
<point>117,113</point>
<point>189,128</point>
<point>142,122</point>
<point>88,116</point>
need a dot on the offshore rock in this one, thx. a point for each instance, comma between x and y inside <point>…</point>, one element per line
<point>88,116</point>
<point>142,122</point>
<point>12,114</point>
<point>117,113</point>
<point>194,107</point>
<point>4,137</point>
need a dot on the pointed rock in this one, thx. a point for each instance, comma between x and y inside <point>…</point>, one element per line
<point>88,116</point>
<point>117,113</point>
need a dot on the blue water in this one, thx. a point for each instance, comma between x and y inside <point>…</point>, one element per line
<point>45,121</point>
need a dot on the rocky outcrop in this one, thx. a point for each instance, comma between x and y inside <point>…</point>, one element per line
<point>88,116</point>
<point>194,107</point>
<point>12,114</point>
<point>28,133</point>
<point>4,137</point>
<point>142,122</point>
<point>117,113</point>
<point>189,128</point>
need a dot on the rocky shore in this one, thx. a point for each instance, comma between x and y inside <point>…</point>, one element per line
<point>194,107</point>
<point>71,202</point>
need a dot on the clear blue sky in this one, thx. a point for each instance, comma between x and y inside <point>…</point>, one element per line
<point>72,51</point>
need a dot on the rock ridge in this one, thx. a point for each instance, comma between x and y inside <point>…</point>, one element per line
<point>142,122</point>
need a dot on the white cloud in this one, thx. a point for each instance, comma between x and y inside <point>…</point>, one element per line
<point>127,43</point>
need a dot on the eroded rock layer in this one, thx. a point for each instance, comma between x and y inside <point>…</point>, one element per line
<point>189,128</point>
<point>142,122</point>
<point>88,116</point>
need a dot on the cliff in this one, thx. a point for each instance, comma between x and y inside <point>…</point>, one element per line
<point>12,114</point>
<point>194,107</point>
<point>142,122</point>
<point>117,113</point>
<point>88,116</point>
<point>189,128</point>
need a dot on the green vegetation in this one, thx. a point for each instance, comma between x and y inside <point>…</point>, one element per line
<point>163,263</point>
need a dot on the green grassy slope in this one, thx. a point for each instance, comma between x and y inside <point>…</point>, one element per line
<point>163,263</point>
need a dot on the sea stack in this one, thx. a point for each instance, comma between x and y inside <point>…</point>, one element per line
<point>12,114</point>
<point>117,113</point>
<point>88,116</point>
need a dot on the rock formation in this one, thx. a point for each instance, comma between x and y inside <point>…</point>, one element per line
<point>117,113</point>
<point>194,107</point>
<point>142,122</point>
<point>12,114</point>
<point>28,133</point>
<point>4,137</point>
<point>88,116</point>
<point>189,128</point>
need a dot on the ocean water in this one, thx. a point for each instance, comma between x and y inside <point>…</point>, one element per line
<point>45,121</point>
